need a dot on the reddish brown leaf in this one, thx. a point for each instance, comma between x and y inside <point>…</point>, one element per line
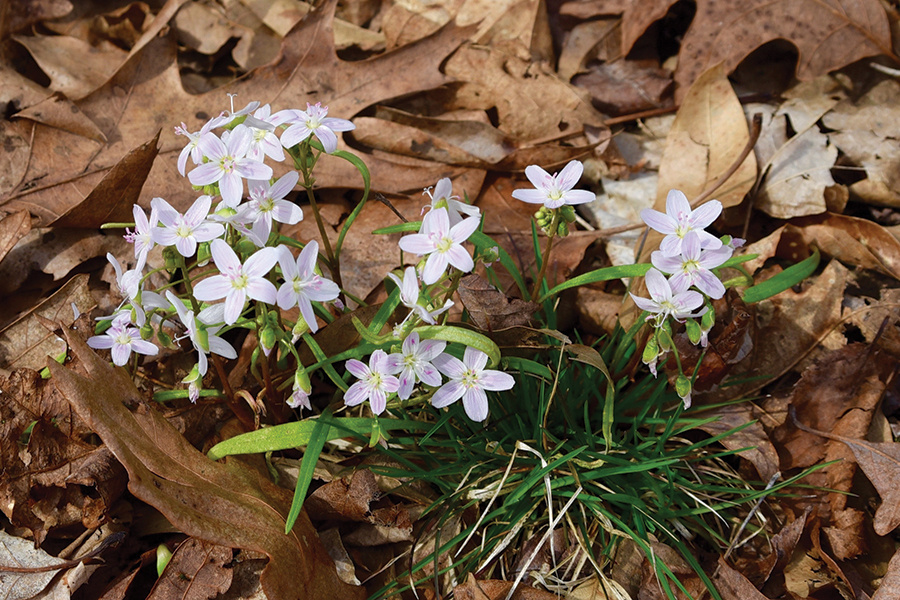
<point>733,585</point>
<point>490,308</point>
<point>12,228</point>
<point>228,504</point>
<point>112,199</point>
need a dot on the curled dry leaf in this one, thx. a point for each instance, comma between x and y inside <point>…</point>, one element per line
<point>752,441</point>
<point>490,308</point>
<point>860,243</point>
<point>733,585</point>
<point>228,504</point>
<point>890,583</point>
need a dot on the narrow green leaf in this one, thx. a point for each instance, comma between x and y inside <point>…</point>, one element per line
<point>784,280</point>
<point>307,467</point>
<point>399,228</point>
<point>482,240</point>
<point>364,172</point>
<point>598,275</point>
<point>466,337</point>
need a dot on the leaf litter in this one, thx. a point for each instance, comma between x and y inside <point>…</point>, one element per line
<point>470,91</point>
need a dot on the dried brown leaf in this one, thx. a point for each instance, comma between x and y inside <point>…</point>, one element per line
<point>890,583</point>
<point>495,589</point>
<point>490,308</point>
<point>733,585</point>
<point>228,504</point>
<point>112,199</point>
<point>60,112</point>
<point>624,87</point>
<point>881,464</point>
<point>596,39</point>
<point>828,34</point>
<point>860,243</point>
<point>198,570</point>
<point>753,439</point>
<point>27,342</point>
<point>18,553</point>
<point>12,228</point>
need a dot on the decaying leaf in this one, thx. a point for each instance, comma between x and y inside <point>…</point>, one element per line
<point>490,308</point>
<point>890,584</point>
<point>843,31</point>
<point>797,175</point>
<point>53,477</point>
<point>857,242</point>
<point>733,585</point>
<point>28,342</point>
<point>17,552</point>
<point>752,440</point>
<point>867,132</point>
<point>146,94</point>
<point>197,569</point>
<point>12,228</point>
<point>228,504</point>
<point>60,112</point>
<point>495,589</point>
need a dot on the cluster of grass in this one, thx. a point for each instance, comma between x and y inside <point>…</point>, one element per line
<point>544,458</point>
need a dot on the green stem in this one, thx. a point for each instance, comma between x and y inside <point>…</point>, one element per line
<point>545,259</point>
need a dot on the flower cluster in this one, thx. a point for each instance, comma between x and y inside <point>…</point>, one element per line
<point>237,236</point>
<point>688,254</point>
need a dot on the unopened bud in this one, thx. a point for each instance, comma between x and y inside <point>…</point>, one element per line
<point>693,330</point>
<point>171,258</point>
<point>562,230</point>
<point>268,339</point>
<point>567,213</point>
<point>299,329</point>
<point>164,338</point>
<point>146,331</point>
<point>651,351</point>
<point>708,319</point>
<point>683,389</point>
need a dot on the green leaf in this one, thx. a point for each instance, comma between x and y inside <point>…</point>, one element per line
<point>299,433</point>
<point>399,228</point>
<point>784,280</point>
<point>462,336</point>
<point>524,365</point>
<point>598,275</point>
<point>307,467</point>
<point>364,172</point>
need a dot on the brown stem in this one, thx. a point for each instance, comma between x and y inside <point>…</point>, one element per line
<point>237,407</point>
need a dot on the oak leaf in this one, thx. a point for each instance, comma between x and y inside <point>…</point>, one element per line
<point>828,34</point>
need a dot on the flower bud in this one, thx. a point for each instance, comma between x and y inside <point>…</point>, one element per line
<point>693,330</point>
<point>267,339</point>
<point>203,254</point>
<point>651,351</point>
<point>164,338</point>
<point>683,389</point>
<point>708,319</point>
<point>302,388</point>
<point>562,229</point>
<point>567,213</point>
<point>195,383</point>
<point>172,258</point>
<point>146,331</point>
<point>299,329</point>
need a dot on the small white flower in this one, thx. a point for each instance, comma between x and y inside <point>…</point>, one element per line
<point>265,142</point>
<point>410,296</point>
<point>312,121</point>
<point>238,282</point>
<point>374,384</point>
<point>665,302</point>
<point>302,285</point>
<point>442,244</point>
<point>142,237</point>
<point>229,164</point>
<point>442,198</point>
<point>468,380</point>
<point>187,230</point>
<point>554,190</point>
<point>202,334</point>
<point>413,363</point>
<point>693,266</point>
<point>679,220</point>
<point>193,147</point>
<point>121,339</point>
<point>267,204</point>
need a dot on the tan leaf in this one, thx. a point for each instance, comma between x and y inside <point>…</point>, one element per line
<point>18,552</point>
<point>890,583</point>
<point>733,585</point>
<point>709,133</point>
<point>857,242</point>
<point>866,131</point>
<point>828,34</point>
<point>60,112</point>
<point>12,228</point>
<point>752,440</point>
<point>797,175</point>
<point>74,67</point>
<point>228,504</point>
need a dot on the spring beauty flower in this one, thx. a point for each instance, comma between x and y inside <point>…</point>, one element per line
<point>410,296</point>
<point>229,164</point>
<point>665,302</point>
<point>679,220</point>
<point>312,121</point>
<point>122,339</point>
<point>692,266</point>
<point>193,146</point>
<point>187,230</point>
<point>237,282</point>
<point>442,197</point>
<point>375,382</point>
<point>142,237</point>
<point>302,285</point>
<point>469,380</point>
<point>413,363</point>
<point>267,204</point>
<point>554,190</point>
<point>203,337</point>
<point>441,243</point>
<point>265,142</point>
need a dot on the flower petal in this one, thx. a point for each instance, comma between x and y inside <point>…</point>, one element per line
<point>476,404</point>
<point>447,394</point>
